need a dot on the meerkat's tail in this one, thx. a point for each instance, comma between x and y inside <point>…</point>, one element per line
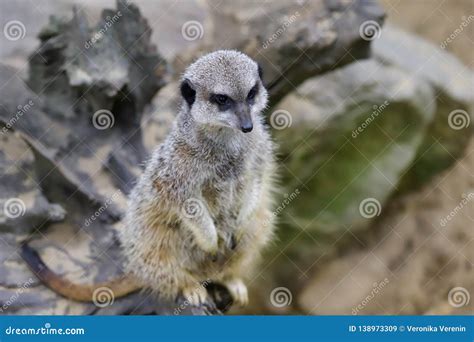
<point>120,287</point>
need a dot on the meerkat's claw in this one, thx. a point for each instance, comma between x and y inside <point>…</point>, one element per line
<point>230,241</point>
<point>238,291</point>
<point>196,296</point>
<point>233,242</point>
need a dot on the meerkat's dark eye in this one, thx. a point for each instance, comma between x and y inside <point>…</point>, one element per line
<point>221,99</point>
<point>252,93</point>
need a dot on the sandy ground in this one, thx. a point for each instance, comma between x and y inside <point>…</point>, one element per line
<point>435,20</point>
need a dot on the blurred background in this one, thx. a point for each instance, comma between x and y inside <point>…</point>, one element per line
<point>371,106</point>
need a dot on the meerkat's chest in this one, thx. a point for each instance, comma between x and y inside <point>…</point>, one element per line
<point>229,199</point>
<point>233,190</point>
<point>222,194</point>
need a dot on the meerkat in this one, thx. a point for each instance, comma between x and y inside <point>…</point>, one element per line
<point>202,209</point>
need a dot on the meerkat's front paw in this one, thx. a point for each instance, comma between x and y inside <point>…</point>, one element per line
<point>195,296</point>
<point>238,291</point>
<point>209,245</point>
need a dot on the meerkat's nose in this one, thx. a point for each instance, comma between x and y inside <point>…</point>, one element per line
<point>245,119</point>
<point>247,127</point>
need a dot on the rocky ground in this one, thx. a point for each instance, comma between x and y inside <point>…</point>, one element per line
<point>422,258</point>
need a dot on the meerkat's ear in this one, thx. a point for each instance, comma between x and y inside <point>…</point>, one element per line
<point>260,71</point>
<point>188,92</point>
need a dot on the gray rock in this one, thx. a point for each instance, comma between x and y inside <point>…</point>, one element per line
<point>447,137</point>
<point>346,139</point>
<point>165,17</point>
<point>87,102</point>
<point>22,203</point>
<point>292,41</point>
<point>362,135</point>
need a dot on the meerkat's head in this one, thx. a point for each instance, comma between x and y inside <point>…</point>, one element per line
<point>224,89</point>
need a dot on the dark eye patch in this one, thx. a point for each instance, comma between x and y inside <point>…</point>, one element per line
<point>252,93</point>
<point>188,92</point>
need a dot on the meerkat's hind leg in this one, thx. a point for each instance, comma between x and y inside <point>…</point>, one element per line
<point>238,291</point>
